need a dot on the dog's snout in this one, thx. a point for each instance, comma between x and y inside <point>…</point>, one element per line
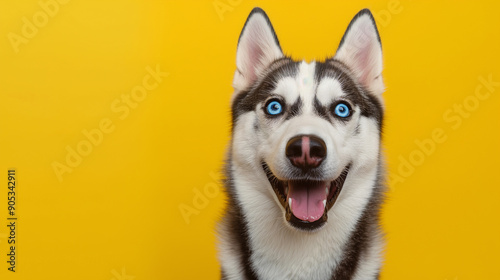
<point>306,151</point>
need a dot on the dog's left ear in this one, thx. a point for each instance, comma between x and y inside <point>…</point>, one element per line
<point>361,50</point>
<point>258,47</point>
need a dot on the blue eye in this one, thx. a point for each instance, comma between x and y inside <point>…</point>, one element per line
<point>274,108</point>
<point>342,110</point>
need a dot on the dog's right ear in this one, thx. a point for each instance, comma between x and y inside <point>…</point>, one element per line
<point>361,50</point>
<point>258,46</point>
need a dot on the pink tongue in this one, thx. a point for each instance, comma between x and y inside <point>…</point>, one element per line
<point>307,199</point>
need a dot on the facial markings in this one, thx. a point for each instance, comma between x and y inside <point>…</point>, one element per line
<point>329,91</point>
<point>247,100</point>
<point>358,96</point>
<point>306,84</point>
<point>287,88</point>
<point>307,88</point>
<point>295,109</point>
<point>321,110</point>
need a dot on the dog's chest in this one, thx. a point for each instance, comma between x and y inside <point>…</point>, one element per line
<point>291,257</point>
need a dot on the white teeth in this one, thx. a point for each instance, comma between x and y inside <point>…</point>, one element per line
<point>326,189</point>
<point>290,202</point>
<point>324,203</point>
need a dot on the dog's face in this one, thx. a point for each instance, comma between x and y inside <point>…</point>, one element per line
<point>308,127</point>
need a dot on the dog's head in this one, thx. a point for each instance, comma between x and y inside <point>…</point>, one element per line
<point>309,127</point>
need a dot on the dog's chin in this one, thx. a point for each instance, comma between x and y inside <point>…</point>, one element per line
<point>306,201</point>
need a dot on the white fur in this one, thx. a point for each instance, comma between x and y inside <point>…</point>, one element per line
<point>287,88</point>
<point>228,255</point>
<point>328,89</point>
<point>369,263</point>
<point>306,84</point>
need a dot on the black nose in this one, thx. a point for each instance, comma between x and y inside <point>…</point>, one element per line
<point>306,151</point>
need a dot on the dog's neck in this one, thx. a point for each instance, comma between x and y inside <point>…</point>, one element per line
<point>271,249</point>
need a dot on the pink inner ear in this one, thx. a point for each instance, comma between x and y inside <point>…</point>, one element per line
<point>361,52</point>
<point>254,56</point>
<point>257,48</point>
<point>364,53</point>
<point>363,61</point>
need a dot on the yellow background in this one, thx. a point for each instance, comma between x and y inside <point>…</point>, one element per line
<point>117,213</point>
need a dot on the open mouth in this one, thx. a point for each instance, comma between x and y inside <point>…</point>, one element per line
<point>306,202</point>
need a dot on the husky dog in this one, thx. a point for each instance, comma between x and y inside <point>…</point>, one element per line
<point>304,171</point>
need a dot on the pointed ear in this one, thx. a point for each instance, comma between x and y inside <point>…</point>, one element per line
<point>258,46</point>
<point>361,50</point>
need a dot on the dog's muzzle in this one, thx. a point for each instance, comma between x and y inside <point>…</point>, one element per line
<point>306,197</point>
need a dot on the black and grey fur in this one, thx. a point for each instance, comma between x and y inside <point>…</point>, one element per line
<point>260,235</point>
